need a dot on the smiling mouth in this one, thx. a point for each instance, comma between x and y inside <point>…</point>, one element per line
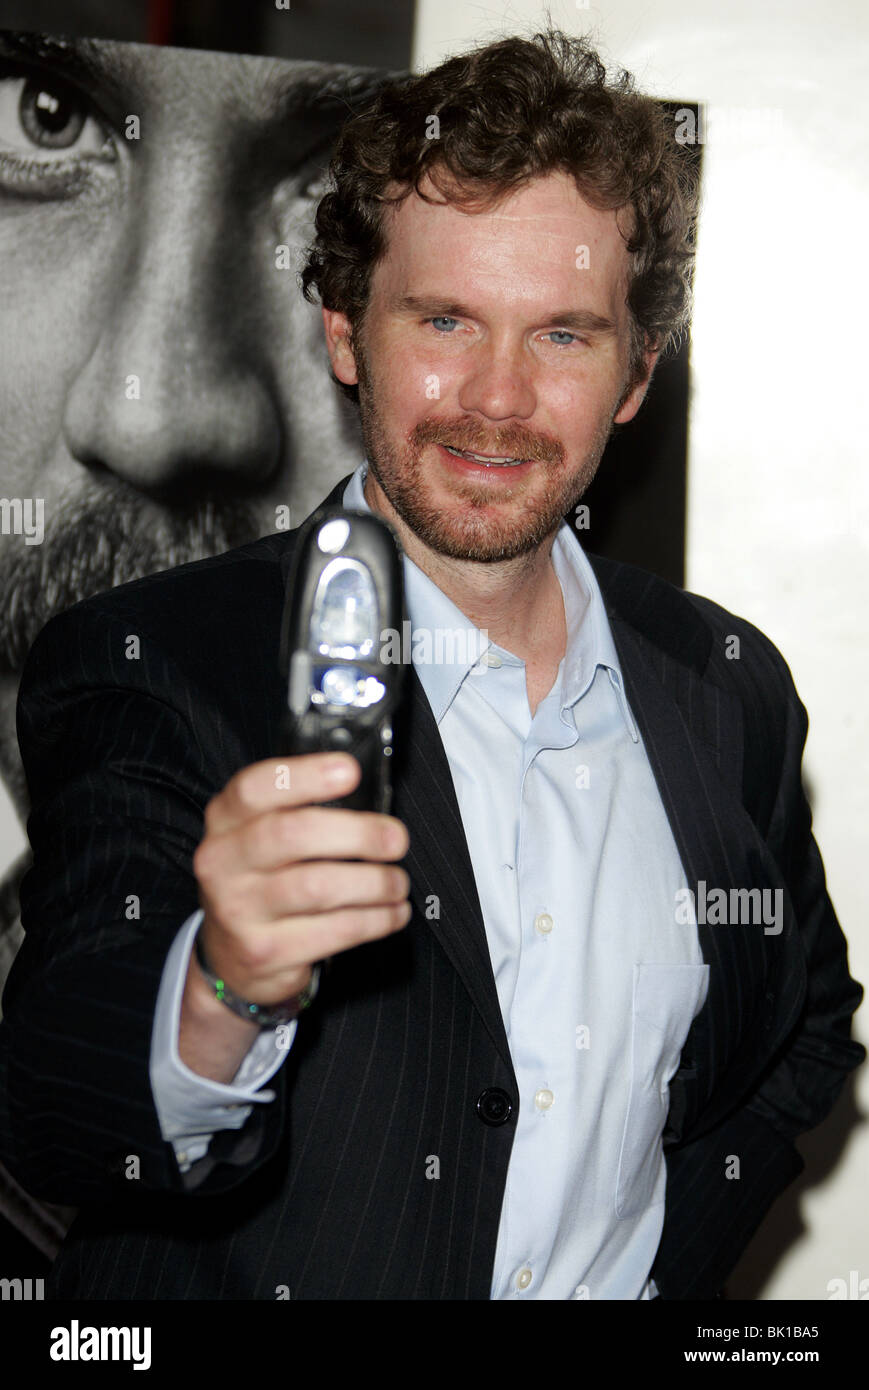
<point>486,460</point>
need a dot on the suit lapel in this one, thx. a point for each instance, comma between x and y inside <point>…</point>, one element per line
<point>443,887</point>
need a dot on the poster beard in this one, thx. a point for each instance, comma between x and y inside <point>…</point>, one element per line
<point>97,539</point>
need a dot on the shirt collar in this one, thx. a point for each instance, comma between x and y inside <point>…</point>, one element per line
<point>435,619</point>
<point>590,641</point>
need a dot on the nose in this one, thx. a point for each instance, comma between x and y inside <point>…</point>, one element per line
<point>499,385</point>
<point>184,339</point>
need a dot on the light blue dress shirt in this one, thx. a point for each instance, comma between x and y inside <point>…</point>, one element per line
<point>577,874</point>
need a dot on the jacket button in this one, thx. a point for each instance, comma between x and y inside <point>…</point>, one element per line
<point>494,1106</point>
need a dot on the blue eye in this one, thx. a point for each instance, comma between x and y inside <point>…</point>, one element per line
<point>563,333</point>
<point>443,318</point>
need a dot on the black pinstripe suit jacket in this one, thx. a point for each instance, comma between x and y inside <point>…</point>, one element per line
<point>324,1191</point>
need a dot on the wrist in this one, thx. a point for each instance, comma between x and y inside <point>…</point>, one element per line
<point>217,990</point>
<point>212,1041</point>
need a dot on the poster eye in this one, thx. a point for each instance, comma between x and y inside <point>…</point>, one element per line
<point>41,113</point>
<point>50,116</point>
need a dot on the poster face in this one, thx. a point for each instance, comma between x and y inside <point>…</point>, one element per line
<point>164,389</point>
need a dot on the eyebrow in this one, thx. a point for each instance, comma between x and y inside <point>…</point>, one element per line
<point>77,59</point>
<point>327,86</point>
<point>577,320</point>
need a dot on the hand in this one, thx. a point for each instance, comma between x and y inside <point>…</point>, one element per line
<point>277,879</point>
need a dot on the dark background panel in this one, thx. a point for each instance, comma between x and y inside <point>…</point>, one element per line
<point>376,33</point>
<point>636,504</point>
<point>637,501</point>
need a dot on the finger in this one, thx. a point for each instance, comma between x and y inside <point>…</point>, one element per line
<point>250,902</point>
<point>281,782</point>
<point>327,887</point>
<point>316,938</point>
<point>277,839</point>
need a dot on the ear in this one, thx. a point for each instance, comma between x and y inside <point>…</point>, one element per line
<point>631,402</point>
<point>338,346</point>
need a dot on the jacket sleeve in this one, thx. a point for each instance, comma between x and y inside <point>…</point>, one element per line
<point>803,1082</point>
<point>122,751</point>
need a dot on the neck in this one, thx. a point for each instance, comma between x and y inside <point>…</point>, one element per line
<point>517,601</point>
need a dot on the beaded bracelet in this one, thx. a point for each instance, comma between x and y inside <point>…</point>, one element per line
<point>266,1015</point>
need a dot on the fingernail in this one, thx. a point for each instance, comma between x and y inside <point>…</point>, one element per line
<point>395,838</point>
<point>338,769</point>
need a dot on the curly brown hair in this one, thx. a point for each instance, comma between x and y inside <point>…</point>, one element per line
<point>508,112</point>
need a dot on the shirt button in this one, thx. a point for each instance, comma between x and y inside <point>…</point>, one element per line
<point>490,659</point>
<point>543,923</point>
<point>543,1099</point>
<point>523,1278</point>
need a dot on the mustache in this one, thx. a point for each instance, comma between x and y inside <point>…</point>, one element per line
<point>511,442</point>
<point>96,540</point>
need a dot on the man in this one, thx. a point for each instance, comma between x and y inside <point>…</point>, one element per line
<point>162,386</point>
<point>536,1067</point>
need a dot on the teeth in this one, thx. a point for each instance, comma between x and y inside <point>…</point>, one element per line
<point>481,458</point>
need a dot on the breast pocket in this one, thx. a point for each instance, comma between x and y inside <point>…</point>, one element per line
<point>666,999</point>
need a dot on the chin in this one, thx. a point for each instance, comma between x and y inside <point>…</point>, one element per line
<point>483,541</point>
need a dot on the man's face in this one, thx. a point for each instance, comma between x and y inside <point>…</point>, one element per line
<point>496,333</point>
<point>162,382</point>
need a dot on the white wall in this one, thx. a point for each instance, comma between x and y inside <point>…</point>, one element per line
<point>778,517</point>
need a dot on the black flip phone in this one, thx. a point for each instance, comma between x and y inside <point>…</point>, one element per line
<point>345,595</point>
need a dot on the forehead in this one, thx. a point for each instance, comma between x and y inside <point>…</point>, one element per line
<point>542,236</point>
